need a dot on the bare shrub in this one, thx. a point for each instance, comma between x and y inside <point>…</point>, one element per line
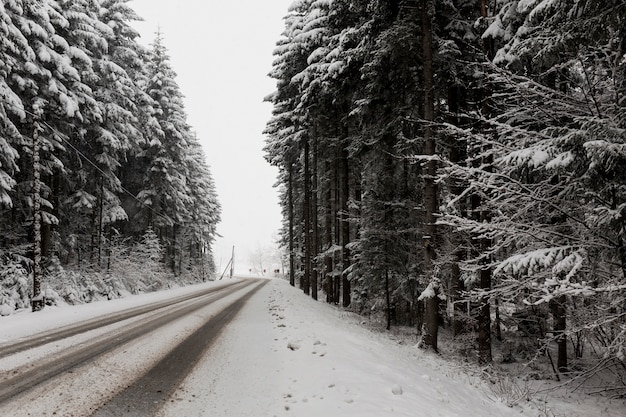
<point>508,391</point>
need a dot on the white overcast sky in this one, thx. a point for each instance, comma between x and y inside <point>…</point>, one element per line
<point>222,53</point>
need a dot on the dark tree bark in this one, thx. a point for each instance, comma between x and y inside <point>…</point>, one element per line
<point>46,227</point>
<point>314,231</point>
<point>388,299</point>
<point>484,320</point>
<point>337,225</point>
<point>559,315</point>
<point>306,210</point>
<point>498,323</point>
<point>95,215</point>
<point>292,263</point>
<point>430,187</point>
<point>37,301</point>
<point>100,219</point>
<point>485,274</point>
<point>484,313</point>
<point>457,288</point>
<point>328,228</point>
<point>174,249</point>
<point>458,153</point>
<point>621,248</point>
<point>345,227</point>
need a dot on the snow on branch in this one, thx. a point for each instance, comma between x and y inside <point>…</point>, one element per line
<point>432,290</point>
<point>532,262</point>
<point>562,263</point>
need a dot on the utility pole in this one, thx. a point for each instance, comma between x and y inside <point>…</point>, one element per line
<point>232,263</point>
<point>37,300</point>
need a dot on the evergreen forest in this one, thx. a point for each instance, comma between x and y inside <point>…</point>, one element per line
<point>458,167</point>
<point>98,165</point>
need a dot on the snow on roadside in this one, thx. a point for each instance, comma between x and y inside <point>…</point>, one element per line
<point>336,367</point>
<point>287,355</point>
<point>25,323</point>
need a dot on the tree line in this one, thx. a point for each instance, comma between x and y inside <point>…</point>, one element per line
<point>459,163</point>
<point>96,153</point>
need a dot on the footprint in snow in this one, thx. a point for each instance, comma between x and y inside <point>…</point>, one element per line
<point>293,346</point>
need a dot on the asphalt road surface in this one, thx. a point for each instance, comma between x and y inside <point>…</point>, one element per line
<point>124,364</point>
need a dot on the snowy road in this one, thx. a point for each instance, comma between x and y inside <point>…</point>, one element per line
<point>128,362</point>
<point>243,348</point>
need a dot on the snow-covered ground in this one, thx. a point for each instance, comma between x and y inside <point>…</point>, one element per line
<point>287,355</point>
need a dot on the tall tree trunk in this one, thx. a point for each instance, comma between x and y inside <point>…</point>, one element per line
<point>175,249</point>
<point>306,210</point>
<point>388,299</point>
<point>458,153</point>
<point>345,227</point>
<point>484,314</point>
<point>292,255</point>
<point>37,300</point>
<point>456,290</point>
<point>484,319</point>
<point>100,218</point>
<point>431,323</point>
<point>315,230</point>
<point>337,226</point>
<point>46,238</point>
<point>621,248</point>
<point>54,199</point>
<point>485,273</point>
<point>46,227</point>
<point>328,226</point>
<point>109,233</point>
<point>559,314</point>
<point>498,323</point>
<point>95,228</point>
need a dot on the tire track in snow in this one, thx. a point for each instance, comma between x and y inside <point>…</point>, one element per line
<point>23,379</point>
<point>151,391</point>
<point>73,329</point>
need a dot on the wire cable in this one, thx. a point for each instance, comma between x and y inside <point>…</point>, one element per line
<point>93,164</point>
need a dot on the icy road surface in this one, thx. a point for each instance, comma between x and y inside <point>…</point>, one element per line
<point>278,354</point>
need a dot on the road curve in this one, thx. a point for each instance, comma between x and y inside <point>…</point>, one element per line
<point>20,381</point>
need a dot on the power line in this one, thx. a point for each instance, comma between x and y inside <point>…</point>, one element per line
<point>93,164</point>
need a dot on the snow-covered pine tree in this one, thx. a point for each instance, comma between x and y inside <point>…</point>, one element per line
<point>384,109</point>
<point>164,194</point>
<point>556,191</point>
<point>204,212</point>
<point>97,137</point>
<point>44,76</point>
<point>431,294</point>
<point>12,45</point>
<point>150,254</point>
<point>326,97</point>
<point>118,94</point>
<point>126,54</point>
<point>74,68</point>
<point>287,130</point>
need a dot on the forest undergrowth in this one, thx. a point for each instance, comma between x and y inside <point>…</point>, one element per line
<point>127,269</point>
<point>518,375</point>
